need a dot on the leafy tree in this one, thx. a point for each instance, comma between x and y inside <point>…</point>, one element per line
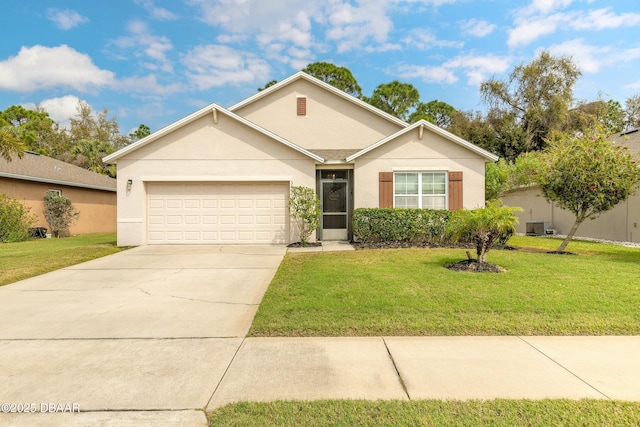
<point>142,132</point>
<point>437,112</point>
<point>269,84</point>
<point>586,175</point>
<point>504,177</point>
<point>609,114</point>
<point>632,110</point>
<point>15,220</point>
<point>537,95</point>
<point>59,212</point>
<point>395,98</point>
<point>88,155</point>
<point>338,77</point>
<point>10,144</point>
<point>304,206</point>
<point>484,227</point>
<point>90,126</point>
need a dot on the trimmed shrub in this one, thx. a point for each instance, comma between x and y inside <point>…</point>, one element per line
<point>59,212</point>
<point>15,220</point>
<point>304,206</point>
<point>400,225</point>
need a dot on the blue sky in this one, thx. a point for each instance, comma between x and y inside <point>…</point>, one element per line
<point>156,61</point>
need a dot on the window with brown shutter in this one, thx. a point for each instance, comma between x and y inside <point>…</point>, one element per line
<point>302,106</point>
<point>455,191</point>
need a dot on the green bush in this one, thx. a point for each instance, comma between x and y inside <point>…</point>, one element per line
<point>400,225</point>
<point>304,206</point>
<point>59,212</point>
<point>15,220</point>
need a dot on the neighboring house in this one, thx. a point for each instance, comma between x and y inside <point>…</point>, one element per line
<point>224,175</point>
<point>29,178</point>
<point>622,223</point>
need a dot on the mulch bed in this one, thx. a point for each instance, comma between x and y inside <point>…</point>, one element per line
<point>475,267</point>
<point>308,245</point>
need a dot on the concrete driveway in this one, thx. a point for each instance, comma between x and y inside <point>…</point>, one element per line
<point>150,328</point>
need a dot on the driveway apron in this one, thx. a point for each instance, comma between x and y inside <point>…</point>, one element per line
<point>150,328</point>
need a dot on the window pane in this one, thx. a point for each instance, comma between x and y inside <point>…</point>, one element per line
<point>406,202</point>
<point>430,202</point>
<point>406,183</point>
<point>433,183</point>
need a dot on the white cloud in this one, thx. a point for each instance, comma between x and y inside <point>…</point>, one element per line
<point>423,39</point>
<point>216,65</point>
<point>591,59</point>
<point>353,26</point>
<point>429,74</point>
<point>536,20</point>
<point>477,28</point>
<point>602,19</point>
<point>61,109</point>
<point>65,19</point>
<point>159,13</point>
<point>41,67</point>
<point>153,49</point>
<point>477,68</point>
<point>147,86</point>
<point>532,28</point>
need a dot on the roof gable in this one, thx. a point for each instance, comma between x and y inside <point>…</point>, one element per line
<point>421,126</point>
<point>40,168</point>
<point>213,110</point>
<point>301,75</point>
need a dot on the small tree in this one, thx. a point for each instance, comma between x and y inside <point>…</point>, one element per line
<point>304,206</point>
<point>15,220</point>
<point>59,212</point>
<point>586,175</point>
<point>483,227</point>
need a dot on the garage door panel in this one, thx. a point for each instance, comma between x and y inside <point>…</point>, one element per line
<point>210,213</point>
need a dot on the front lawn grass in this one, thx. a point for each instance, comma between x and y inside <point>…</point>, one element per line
<point>22,260</point>
<point>395,292</point>
<point>560,412</point>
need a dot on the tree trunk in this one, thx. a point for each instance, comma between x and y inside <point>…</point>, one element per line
<point>567,239</point>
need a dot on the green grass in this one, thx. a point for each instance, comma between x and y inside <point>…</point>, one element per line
<point>509,413</point>
<point>27,259</point>
<point>391,292</point>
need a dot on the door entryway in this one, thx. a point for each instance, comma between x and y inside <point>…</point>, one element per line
<point>335,191</point>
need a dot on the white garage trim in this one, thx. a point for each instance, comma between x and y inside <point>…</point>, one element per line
<point>217,212</point>
<point>215,178</point>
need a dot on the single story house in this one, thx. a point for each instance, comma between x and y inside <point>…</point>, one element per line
<point>223,175</point>
<point>619,224</point>
<point>29,178</point>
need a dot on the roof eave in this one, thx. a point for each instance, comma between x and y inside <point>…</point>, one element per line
<point>55,181</point>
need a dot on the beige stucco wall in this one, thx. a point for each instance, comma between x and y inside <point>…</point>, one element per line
<point>331,122</point>
<point>97,208</point>
<point>203,151</point>
<point>433,152</point>
<point>619,224</point>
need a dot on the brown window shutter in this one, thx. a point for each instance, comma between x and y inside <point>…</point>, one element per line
<point>386,189</point>
<point>302,106</point>
<point>455,191</point>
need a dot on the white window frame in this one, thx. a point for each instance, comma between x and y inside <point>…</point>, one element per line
<point>419,195</point>
<point>58,192</point>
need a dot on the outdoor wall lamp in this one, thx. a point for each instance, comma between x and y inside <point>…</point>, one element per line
<point>129,183</point>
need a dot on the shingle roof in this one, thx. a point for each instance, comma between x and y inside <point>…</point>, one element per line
<point>35,167</point>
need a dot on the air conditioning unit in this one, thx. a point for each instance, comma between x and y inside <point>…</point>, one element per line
<point>536,228</point>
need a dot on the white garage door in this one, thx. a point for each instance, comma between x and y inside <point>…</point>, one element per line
<point>217,212</point>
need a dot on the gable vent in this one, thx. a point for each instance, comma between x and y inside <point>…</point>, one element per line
<point>301,105</point>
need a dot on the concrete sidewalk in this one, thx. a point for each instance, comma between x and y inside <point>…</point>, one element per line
<point>413,368</point>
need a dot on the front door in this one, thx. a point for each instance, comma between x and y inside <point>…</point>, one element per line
<point>334,191</point>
